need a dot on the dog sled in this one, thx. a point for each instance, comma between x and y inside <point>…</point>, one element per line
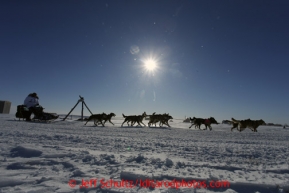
<point>39,114</point>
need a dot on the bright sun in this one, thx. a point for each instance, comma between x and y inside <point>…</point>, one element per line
<point>150,64</point>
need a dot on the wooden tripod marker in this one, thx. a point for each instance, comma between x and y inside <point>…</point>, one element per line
<point>83,103</point>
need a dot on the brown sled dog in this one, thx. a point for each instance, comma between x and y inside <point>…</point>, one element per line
<point>162,118</point>
<point>251,124</point>
<point>97,118</point>
<point>105,118</point>
<point>199,121</point>
<point>134,119</point>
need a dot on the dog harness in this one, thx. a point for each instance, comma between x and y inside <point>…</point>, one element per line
<point>207,121</point>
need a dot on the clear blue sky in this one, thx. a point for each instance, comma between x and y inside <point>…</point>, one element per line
<point>214,58</point>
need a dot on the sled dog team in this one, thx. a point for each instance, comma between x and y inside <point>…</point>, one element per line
<point>240,125</point>
<point>132,119</point>
<point>31,105</point>
<point>163,119</point>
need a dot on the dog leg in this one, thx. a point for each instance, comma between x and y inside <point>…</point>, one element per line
<point>98,121</point>
<point>132,123</point>
<point>192,125</point>
<point>87,121</point>
<point>168,124</point>
<point>138,124</point>
<point>142,123</point>
<point>103,123</point>
<point>234,126</point>
<point>95,122</point>
<point>110,122</point>
<point>123,122</point>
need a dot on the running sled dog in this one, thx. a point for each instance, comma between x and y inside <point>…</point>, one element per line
<point>98,118</point>
<point>134,119</point>
<point>162,118</point>
<point>199,121</point>
<point>243,124</point>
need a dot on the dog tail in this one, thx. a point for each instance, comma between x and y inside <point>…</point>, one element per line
<point>234,120</point>
<point>124,115</point>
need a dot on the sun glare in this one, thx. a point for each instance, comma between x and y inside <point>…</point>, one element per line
<point>150,65</point>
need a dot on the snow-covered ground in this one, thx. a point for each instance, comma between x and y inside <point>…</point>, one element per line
<point>65,155</point>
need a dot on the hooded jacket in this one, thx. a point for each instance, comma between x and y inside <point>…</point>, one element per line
<point>31,101</point>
